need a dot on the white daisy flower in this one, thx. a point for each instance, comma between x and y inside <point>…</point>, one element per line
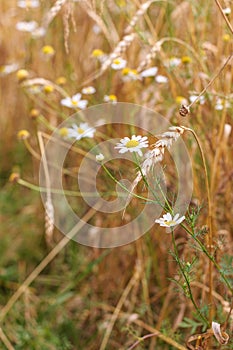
<point>227,130</point>
<point>220,104</point>
<point>99,157</point>
<point>201,99</point>
<point>132,145</point>
<point>150,72</point>
<point>74,102</point>
<point>38,32</point>
<point>28,4</point>
<point>8,68</point>
<point>80,131</point>
<point>161,79</point>
<point>118,63</point>
<point>168,221</point>
<point>227,11</point>
<point>110,98</point>
<point>34,89</point>
<point>129,74</point>
<point>29,26</point>
<point>172,62</point>
<point>89,90</point>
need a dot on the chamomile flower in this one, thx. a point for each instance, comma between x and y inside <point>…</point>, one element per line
<point>110,98</point>
<point>89,90</point>
<point>38,32</point>
<point>61,81</point>
<point>8,68</point>
<point>168,221</point>
<point>24,4</point>
<point>48,89</point>
<point>161,79</point>
<point>227,11</point>
<point>172,62</point>
<point>23,135</point>
<point>34,89</point>
<point>226,37</point>
<point>129,74</point>
<point>74,102</point>
<point>133,144</point>
<point>99,157</point>
<point>80,131</point>
<point>28,26</point>
<point>186,59</point>
<point>200,100</point>
<point>22,74</point>
<point>220,104</point>
<point>150,72</point>
<point>99,55</point>
<point>118,63</point>
<point>48,51</point>
<point>64,132</point>
<point>181,100</point>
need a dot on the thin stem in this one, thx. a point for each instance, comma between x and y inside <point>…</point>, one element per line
<point>125,188</point>
<point>210,82</point>
<point>204,249</point>
<point>210,216</point>
<point>140,340</point>
<point>186,279</point>
<point>65,192</point>
<point>5,340</point>
<point>224,16</point>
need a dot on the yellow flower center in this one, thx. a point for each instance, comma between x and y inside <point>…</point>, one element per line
<point>226,37</point>
<point>61,80</point>
<point>186,59</point>
<point>74,103</point>
<point>81,131</point>
<point>97,53</point>
<point>125,71</point>
<point>112,98</point>
<point>132,143</point>
<point>117,61</point>
<point>48,88</point>
<point>63,132</point>
<point>48,50</point>
<point>22,74</point>
<point>180,99</point>
<point>23,134</point>
<point>169,223</point>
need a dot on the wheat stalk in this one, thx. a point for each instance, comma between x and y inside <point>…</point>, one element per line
<point>49,219</point>
<point>156,155</point>
<point>52,13</point>
<point>140,12</point>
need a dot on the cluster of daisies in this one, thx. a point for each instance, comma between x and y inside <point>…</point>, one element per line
<point>77,132</point>
<point>135,144</point>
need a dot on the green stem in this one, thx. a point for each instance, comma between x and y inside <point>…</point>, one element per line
<point>57,191</point>
<point>187,281</point>
<point>204,249</point>
<point>125,188</point>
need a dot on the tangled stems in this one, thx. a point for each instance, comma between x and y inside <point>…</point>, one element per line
<point>122,186</point>
<point>210,257</point>
<point>187,280</point>
<point>149,187</point>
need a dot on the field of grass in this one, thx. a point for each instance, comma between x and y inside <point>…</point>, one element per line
<point>92,253</point>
